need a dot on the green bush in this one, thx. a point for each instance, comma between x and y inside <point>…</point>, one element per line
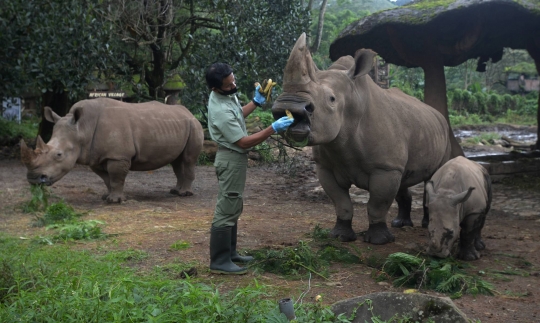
<point>11,132</point>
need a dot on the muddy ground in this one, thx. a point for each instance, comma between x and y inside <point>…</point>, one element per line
<point>282,206</point>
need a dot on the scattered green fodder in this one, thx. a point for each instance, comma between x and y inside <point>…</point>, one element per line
<point>57,213</point>
<point>64,285</point>
<point>39,201</point>
<point>290,261</point>
<point>180,245</point>
<point>81,230</point>
<point>445,275</point>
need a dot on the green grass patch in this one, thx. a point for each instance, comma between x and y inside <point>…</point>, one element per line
<point>484,138</point>
<point>180,245</point>
<point>442,275</point>
<point>63,285</point>
<point>125,255</point>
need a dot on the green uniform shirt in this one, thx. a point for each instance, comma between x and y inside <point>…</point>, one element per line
<point>226,122</point>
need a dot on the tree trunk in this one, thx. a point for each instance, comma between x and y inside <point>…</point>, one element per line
<point>320,26</point>
<point>60,103</point>
<point>435,96</point>
<point>534,50</point>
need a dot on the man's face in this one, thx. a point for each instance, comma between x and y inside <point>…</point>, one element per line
<point>229,85</point>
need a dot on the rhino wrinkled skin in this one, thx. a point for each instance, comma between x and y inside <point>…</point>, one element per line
<point>114,137</point>
<point>383,141</point>
<point>458,199</point>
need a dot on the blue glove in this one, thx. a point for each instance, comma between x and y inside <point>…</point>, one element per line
<point>259,99</point>
<point>282,124</point>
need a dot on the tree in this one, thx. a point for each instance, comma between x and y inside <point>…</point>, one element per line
<point>158,35</point>
<point>53,47</point>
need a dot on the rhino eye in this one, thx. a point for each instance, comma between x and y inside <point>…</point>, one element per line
<point>332,99</point>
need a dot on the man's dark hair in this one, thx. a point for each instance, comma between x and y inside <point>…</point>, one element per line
<point>216,73</point>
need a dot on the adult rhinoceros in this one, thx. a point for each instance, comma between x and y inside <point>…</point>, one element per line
<point>380,140</point>
<point>115,137</point>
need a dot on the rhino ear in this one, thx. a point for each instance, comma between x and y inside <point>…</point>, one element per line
<point>461,197</point>
<point>430,191</point>
<point>363,59</point>
<point>50,115</point>
<point>77,114</point>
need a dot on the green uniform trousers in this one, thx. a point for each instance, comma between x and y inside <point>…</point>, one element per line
<point>231,168</point>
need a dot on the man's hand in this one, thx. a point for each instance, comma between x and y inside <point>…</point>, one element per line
<point>282,124</point>
<point>259,99</point>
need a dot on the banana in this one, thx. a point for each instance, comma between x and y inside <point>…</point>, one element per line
<point>266,88</point>
<point>289,114</point>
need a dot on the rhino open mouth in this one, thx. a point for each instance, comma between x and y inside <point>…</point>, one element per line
<point>39,179</point>
<point>302,111</point>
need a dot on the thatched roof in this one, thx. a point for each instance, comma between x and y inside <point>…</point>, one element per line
<point>460,30</point>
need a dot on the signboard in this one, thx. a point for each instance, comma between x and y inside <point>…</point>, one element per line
<point>11,109</point>
<point>107,94</point>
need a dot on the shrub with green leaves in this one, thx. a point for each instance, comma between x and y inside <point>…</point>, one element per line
<point>57,213</point>
<point>39,200</point>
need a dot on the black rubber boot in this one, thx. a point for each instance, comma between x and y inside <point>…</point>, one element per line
<point>234,254</point>
<point>220,253</point>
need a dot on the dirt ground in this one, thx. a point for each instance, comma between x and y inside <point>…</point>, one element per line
<point>282,206</point>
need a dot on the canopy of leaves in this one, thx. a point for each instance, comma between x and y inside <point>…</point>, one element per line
<point>52,45</point>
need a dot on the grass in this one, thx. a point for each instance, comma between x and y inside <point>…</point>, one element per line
<point>63,285</point>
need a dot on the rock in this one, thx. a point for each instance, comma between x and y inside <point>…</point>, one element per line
<point>418,307</point>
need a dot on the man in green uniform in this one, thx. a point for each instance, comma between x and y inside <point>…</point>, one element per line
<point>227,127</point>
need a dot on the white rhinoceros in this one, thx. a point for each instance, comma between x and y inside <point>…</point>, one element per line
<point>380,140</point>
<point>458,199</point>
<point>114,137</point>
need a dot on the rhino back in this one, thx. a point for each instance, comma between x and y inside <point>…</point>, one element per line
<point>460,173</point>
<point>386,129</point>
<point>149,134</point>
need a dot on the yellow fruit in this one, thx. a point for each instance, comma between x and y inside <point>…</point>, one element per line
<point>268,86</point>
<point>289,114</point>
<point>410,291</point>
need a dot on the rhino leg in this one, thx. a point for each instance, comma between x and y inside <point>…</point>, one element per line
<point>342,204</point>
<point>184,165</point>
<point>467,249</point>
<point>478,243</point>
<point>425,219</point>
<point>117,171</point>
<point>105,177</point>
<point>404,201</point>
<point>383,187</point>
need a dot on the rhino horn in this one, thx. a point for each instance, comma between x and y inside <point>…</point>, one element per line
<point>300,68</point>
<point>41,145</point>
<point>27,154</point>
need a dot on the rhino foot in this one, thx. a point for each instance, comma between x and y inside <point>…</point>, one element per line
<point>176,191</point>
<point>114,198</point>
<point>378,233</point>
<point>469,254</point>
<point>343,231</point>
<point>400,223</point>
<point>479,244</point>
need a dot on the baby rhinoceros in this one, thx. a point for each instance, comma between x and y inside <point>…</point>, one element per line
<point>458,196</point>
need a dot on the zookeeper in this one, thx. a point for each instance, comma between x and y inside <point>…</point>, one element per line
<point>227,127</point>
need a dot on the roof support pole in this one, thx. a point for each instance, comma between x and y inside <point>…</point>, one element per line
<point>431,61</point>
<point>533,47</point>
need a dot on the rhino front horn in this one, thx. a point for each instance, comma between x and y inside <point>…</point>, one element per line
<point>300,68</point>
<point>27,154</point>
